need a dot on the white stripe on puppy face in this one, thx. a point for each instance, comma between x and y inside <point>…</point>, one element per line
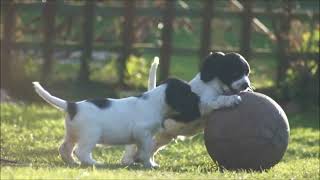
<point>241,84</point>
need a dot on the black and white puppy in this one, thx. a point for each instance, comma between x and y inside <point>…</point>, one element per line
<point>220,74</point>
<point>132,120</point>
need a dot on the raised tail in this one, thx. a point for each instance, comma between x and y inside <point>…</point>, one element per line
<point>56,102</point>
<point>152,81</point>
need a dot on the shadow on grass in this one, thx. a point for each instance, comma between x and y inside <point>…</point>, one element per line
<point>63,165</point>
<point>304,120</point>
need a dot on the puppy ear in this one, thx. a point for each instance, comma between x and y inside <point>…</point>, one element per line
<point>182,100</point>
<point>210,66</point>
<point>238,56</point>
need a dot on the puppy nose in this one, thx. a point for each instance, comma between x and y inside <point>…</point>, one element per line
<point>244,85</point>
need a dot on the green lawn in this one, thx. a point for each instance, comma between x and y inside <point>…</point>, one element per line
<point>31,134</point>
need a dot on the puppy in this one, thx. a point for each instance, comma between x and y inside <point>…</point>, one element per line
<point>220,74</point>
<point>131,120</point>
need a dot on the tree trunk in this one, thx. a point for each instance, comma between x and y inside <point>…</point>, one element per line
<point>206,29</point>
<point>7,44</point>
<point>49,12</point>
<point>166,47</point>
<point>245,41</point>
<point>127,39</point>
<point>88,28</point>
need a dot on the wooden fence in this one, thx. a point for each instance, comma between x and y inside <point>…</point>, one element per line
<point>129,11</point>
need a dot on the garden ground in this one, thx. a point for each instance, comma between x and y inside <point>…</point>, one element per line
<point>31,134</point>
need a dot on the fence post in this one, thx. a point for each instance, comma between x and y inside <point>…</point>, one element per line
<point>127,39</point>
<point>88,28</point>
<point>283,42</point>
<point>166,36</point>
<point>207,16</point>
<point>245,39</point>
<point>49,12</point>
<point>7,44</point>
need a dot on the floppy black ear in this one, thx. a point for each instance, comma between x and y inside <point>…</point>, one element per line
<point>210,66</point>
<point>182,100</point>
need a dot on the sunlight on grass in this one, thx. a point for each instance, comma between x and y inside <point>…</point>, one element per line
<point>31,134</point>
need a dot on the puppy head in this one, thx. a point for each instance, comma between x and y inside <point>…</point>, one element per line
<point>231,69</point>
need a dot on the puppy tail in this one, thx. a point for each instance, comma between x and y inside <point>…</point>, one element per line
<point>152,81</point>
<point>56,102</point>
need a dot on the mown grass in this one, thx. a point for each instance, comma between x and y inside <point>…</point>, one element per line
<point>31,134</point>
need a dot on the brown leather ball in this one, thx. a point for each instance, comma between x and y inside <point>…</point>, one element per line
<point>254,135</point>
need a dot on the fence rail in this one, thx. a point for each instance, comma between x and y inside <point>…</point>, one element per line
<point>151,48</point>
<point>67,9</point>
<point>167,13</point>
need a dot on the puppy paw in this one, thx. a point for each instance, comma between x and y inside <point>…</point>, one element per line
<point>233,100</point>
<point>151,165</point>
<point>155,165</point>
<point>127,161</point>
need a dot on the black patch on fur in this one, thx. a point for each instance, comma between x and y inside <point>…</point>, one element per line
<point>142,96</point>
<point>227,67</point>
<point>183,102</point>
<point>100,103</point>
<point>71,109</point>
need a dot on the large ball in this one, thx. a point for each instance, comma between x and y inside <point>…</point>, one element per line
<point>253,135</point>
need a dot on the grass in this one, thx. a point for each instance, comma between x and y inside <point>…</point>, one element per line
<point>31,134</point>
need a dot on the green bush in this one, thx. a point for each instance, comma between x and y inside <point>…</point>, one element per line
<point>302,76</point>
<point>302,82</point>
<point>137,72</point>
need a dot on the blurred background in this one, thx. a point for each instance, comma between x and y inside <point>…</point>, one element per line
<point>81,49</point>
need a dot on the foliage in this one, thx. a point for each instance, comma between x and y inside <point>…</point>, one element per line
<point>302,75</point>
<point>31,134</point>
<point>107,72</point>
<point>302,82</point>
<point>136,74</point>
<point>137,71</point>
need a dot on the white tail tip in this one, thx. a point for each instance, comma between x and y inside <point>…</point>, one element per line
<point>156,60</point>
<point>35,83</point>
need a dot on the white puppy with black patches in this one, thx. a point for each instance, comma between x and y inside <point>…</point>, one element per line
<point>221,74</point>
<point>132,120</point>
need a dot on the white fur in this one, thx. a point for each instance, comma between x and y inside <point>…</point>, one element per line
<point>135,121</point>
<point>56,102</point>
<point>211,98</point>
<point>237,84</point>
<point>152,81</point>
<point>127,121</point>
<point>119,124</point>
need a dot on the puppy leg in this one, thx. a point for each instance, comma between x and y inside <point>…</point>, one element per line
<point>207,105</point>
<point>145,149</point>
<point>160,141</point>
<point>129,155</point>
<point>85,146</point>
<point>66,149</point>
<point>83,153</point>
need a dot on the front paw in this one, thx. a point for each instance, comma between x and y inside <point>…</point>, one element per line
<point>233,101</point>
<point>150,165</point>
<point>127,161</point>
